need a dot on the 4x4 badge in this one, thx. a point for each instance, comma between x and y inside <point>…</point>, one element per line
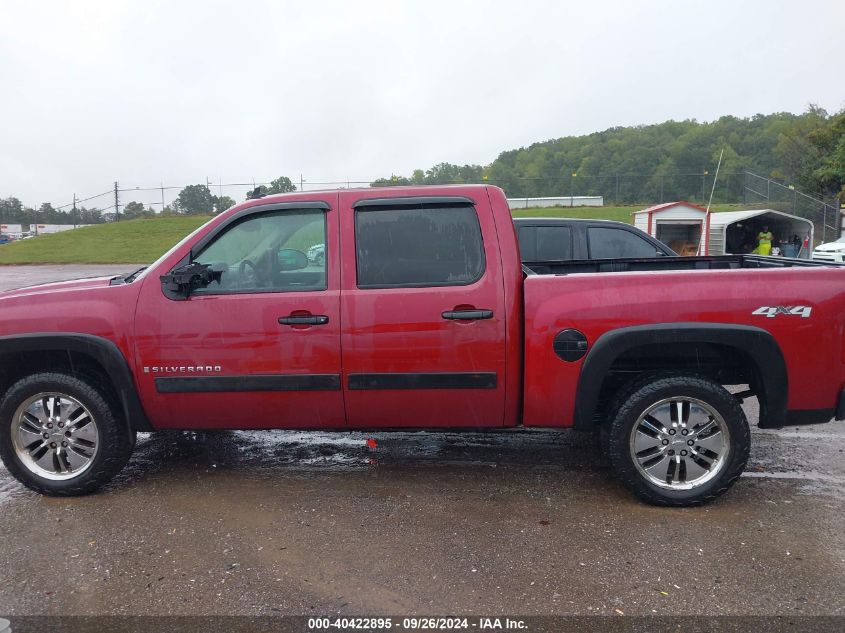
<point>773,311</point>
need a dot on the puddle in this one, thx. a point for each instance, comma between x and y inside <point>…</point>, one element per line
<point>809,482</point>
<point>11,489</point>
<point>535,450</point>
<point>807,475</point>
<point>272,451</point>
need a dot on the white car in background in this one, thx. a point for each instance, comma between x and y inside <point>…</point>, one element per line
<point>831,251</point>
<point>317,254</point>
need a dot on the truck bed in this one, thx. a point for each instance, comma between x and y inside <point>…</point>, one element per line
<point>797,302</point>
<point>715,262</point>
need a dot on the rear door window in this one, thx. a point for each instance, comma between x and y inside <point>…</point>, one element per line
<point>608,243</point>
<point>527,236</point>
<point>545,243</point>
<point>554,243</point>
<point>417,247</point>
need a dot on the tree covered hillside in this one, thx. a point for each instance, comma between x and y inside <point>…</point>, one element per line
<point>667,161</point>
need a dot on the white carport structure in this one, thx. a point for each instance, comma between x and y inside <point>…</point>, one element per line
<point>735,232</point>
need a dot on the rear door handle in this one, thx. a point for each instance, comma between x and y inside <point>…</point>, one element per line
<point>467,315</point>
<point>310,319</point>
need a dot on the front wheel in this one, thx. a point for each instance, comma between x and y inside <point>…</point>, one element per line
<point>60,435</point>
<point>677,439</point>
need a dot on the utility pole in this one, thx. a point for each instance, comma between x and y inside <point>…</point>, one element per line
<point>162,196</point>
<point>824,223</point>
<point>116,203</point>
<point>301,181</point>
<point>74,210</point>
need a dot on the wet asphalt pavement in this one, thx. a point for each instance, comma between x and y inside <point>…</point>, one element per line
<point>516,522</point>
<point>20,276</point>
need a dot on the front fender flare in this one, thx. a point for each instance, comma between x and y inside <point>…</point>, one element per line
<point>101,350</point>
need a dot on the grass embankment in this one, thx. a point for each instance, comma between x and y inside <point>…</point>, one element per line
<point>143,241</point>
<point>129,242</point>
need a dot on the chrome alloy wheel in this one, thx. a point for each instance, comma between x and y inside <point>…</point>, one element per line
<point>680,443</point>
<point>54,436</point>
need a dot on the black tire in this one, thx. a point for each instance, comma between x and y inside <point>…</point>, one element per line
<point>637,398</point>
<point>115,440</point>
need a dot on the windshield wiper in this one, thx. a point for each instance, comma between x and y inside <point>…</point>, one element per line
<point>131,276</point>
<point>127,279</point>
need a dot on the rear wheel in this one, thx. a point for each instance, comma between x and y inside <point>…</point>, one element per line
<point>60,435</point>
<point>677,439</point>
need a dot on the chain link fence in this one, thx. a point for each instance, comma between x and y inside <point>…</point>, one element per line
<point>770,194</point>
<point>740,188</point>
<point>631,188</point>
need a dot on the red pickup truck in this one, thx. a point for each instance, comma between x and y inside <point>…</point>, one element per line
<point>414,311</point>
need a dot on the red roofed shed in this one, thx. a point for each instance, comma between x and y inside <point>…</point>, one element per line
<point>681,225</point>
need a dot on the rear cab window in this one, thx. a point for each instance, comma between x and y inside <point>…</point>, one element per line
<point>418,246</point>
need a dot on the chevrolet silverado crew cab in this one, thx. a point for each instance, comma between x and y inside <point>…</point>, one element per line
<point>418,314</point>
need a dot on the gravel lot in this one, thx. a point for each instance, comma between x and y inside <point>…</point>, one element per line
<point>519,522</point>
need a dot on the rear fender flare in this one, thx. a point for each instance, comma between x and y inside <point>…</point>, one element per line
<point>758,344</point>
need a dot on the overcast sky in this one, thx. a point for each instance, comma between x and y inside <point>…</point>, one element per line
<point>177,92</point>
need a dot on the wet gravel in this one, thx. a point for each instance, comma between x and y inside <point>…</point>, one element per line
<point>528,522</point>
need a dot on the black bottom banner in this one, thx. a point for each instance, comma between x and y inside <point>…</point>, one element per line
<point>380,624</point>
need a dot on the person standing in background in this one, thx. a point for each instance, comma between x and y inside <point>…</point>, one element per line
<point>764,241</point>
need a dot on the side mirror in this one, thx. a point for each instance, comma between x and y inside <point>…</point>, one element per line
<point>184,279</point>
<point>291,259</point>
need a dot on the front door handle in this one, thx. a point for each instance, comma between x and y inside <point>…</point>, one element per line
<point>467,315</point>
<point>307,319</point>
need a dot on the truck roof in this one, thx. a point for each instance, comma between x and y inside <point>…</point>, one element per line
<point>386,192</point>
<point>546,220</point>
